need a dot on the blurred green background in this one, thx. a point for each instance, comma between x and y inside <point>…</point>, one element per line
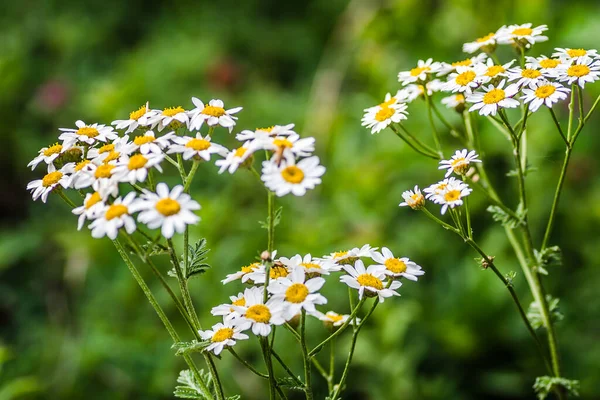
<point>73,322</point>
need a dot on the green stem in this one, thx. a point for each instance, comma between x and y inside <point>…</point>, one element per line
<point>190,177</point>
<point>468,215</point>
<point>187,299</point>
<point>436,137</point>
<point>264,344</point>
<point>558,126</point>
<point>443,120</point>
<point>557,193</point>
<point>286,368</point>
<point>439,221</point>
<point>247,364</point>
<point>331,365</point>
<point>426,153</point>
<point>307,372</point>
<point>571,112</point>
<point>65,198</point>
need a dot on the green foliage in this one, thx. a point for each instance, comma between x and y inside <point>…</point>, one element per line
<point>545,384</point>
<point>549,257</point>
<point>509,220</point>
<point>183,348</point>
<point>534,313</point>
<point>289,384</point>
<point>276,220</point>
<point>190,389</point>
<point>196,261</point>
<point>510,278</point>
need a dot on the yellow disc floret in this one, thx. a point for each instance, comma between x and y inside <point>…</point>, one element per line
<point>531,73</point>
<point>167,207</point>
<point>465,78</point>
<point>104,171</point>
<point>292,174</point>
<point>139,113</point>
<point>94,199</point>
<point>140,140</point>
<point>88,131</point>
<point>213,111</point>
<point>137,162</point>
<point>522,31</point>
<point>296,293</point>
<point>54,149</point>
<point>278,271</point>
<point>578,70</point>
<point>494,96</point>
<point>222,335</point>
<point>198,144</point>
<point>51,178</point>
<point>259,313</point>
<point>576,53</point>
<point>115,211</point>
<point>370,281</point>
<point>545,91</point>
<point>452,195</point>
<point>172,111</point>
<point>395,265</point>
<point>384,113</point>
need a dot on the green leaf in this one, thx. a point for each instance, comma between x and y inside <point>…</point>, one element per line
<point>510,278</point>
<point>289,383</point>
<point>508,220</point>
<point>235,397</point>
<point>190,389</point>
<point>549,257</point>
<point>545,384</point>
<point>194,346</point>
<point>534,313</point>
<point>196,261</point>
<point>276,220</point>
<point>526,171</point>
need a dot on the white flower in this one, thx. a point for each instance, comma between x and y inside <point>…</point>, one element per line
<point>48,155</point>
<point>574,54</point>
<point>413,199</point>
<point>452,194</point>
<point>312,266</point>
<point>50,181</point>
<point>275,130</point>
<point>525,76</point>
<point>369,282</point>
<point>222,335</point>
<point>420,72</point>
<point>89,134</point>
<point>289,147</point>
<point>170,116</point>
<point>297,293</point>
<point>235,158</point>
<point>524,34</point>
<point>409,93</point>
<point>258,315</point>
<point>395,266</point>
<point>547,66</point>
<point>583,70</point>
<point>454,101</point>
<point>465,79</point>
<point>292,178</point>
<point>135,168</point>
<point>350,256</point>
<point>242,274</point>
<point>276,271</point>
<point>334,319</point>
<point>114,216</point>
<point>111,152</point>
<point>493,71</point>
<point>544,93</point>
<point>86,174</point>
<point>148,143</point>
<point>213,114</point>
<point>92,205</point>
<point>469,62</point>
<point>493,99</point>
<point>171,211</point>
<point>487,41</point>
<point>227,311</point>
<point>200,147</point>
<point>459,163</point>
<point>437,188</point>
<point>134,119</point>
<point>380,117</point>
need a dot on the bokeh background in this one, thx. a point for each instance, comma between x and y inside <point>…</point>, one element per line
<point>73,322</point>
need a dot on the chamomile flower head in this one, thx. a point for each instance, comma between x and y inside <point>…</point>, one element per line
<point>525,76</point>
<point>276,271</point>
<point>88,134</point>
<point>243,273</point>
<point>111,152</point>
<point>456,102</point>
<point>345,257</point>
<point>297,292</point>
<point>574,54</point>
<point>170,210</point>
<point>437,188</point>
<point>115,216</point>
<point>48,155</point>
<point>213,114</point>
<point>258,315</point>
<point>547,66</point>
<point>544,93</point>
<point>149,143</point>
<point>135,168</point>
<point>222,335</point>
<point>198,147</point>
<point>494,98</point>
<point>464,80</point>
<point>413,199</point>
<point>397,267</point>
<point>133,122</point>
<point>380,117</point>
<point>420,73</point>
<point>99,176</point>
<point>292,178</point>
<point>460,162</point>
<point>172,117</point>
<point>583,70</point>
<point>235,158</point>
<point>261,133</point>
<point>452,194</point>
<point>524,35</point>
<point>446,68</point>
<point>493,71</point>
<point>289,147</point>
<point>54,179</point>
<point>333,320</point>
<point>227,311</point>
<point>485,43</point>
<point>93,205</point>
<point>312,266</point>
<point>369,282</point>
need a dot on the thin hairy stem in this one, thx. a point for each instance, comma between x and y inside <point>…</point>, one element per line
<point>423,150</point>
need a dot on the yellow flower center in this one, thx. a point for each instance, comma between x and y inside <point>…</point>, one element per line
<point>485,38</point>
<point>463,63</point>
<point>94,199</point>
<point>222,335</point>
<point>395,265</point>
<point>530,73</point>
<point>296,293</point>
<point>544,91</point>
<point>268,130</point>
<point>104,171</point>
<point>281,142</point>
<point>198,144</point>
<point>334,317</point>
<point>388,103</point>
<point>384,113</point>
<point>419,70</point>
<point>213,111</point>
<point>249,268</point>
<point>494,96</point>
<point>370,280</point>
<point>292,174</point>
<point>339,254</point>
<point>54,149</point>
<point>459,98</point>
<point>465,78</point>
<point>167,207</point>
<point>522,31</point>
<point>278,271</point>
<point>457,161</point>
<point>240,151</point>
<point>113,155</point>
<point>259,313</point>
<point>106,148</point>
<point>239,302</point>
<point>52,178</point>
<point>115,211</point>
<point>88,131</point>
<point>172,111</point>
<point>576,53</point>
<point>136,162</point>
<point>452,195</point>
<point>140,140</point>
<point>310,266</point>
<point>578,70</point>
<point>549,63</point>
<point>494,70</point>
<point>80,165</point>
<point>135,115</point>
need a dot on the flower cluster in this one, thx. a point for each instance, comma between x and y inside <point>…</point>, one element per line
<point>97,160</point>
<point>293,286</point>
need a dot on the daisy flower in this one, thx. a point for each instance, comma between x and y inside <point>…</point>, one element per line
<point>259,133</point>
<point>413,199</point>
<point>456,101</point>
<point>92,205</point>
<point>149,143</point>
<point>171,211</point>
<point>135,168</point>
<point>290,147</point>
<point>544,93</point>
<point>469,62</point>
<point>350,256</point>
<point>334,320</point>
<point>485,43</point>
<point>86,174</point>
<point>235,158</point>
<point>494,71</point>
<point>259,315</point>
<point>437,188</point>
<point>380,117</point>
<point>452,195</point>
<point>494,98</point>
<point>574,54</point>
<point>521,34</point>
<point>175,117</point>
<point>526,76</point>
<point>88,134</point>
<point>111,151</point>
<point>297,293</point>
<point>369,282</point>
<point>48,155</point>
<point>312,266</point>
<point>459,163</point>
<point>41,188</point>
<point>242,273</point>
<point>292,178</point>
<point>213,114</point>
<point>583,70</point>
<point>464,80</point>
<point>420,72</point>
<point>227,311</point>
<point>134,119</point>
<point>547,66</point>
<point>276,271</point>
<point>222,335</point>
<point>115,216</point>
<point>198,147</point>
<point>397,267</point>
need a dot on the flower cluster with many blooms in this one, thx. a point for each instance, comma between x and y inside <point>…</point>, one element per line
<point>293,286</point>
